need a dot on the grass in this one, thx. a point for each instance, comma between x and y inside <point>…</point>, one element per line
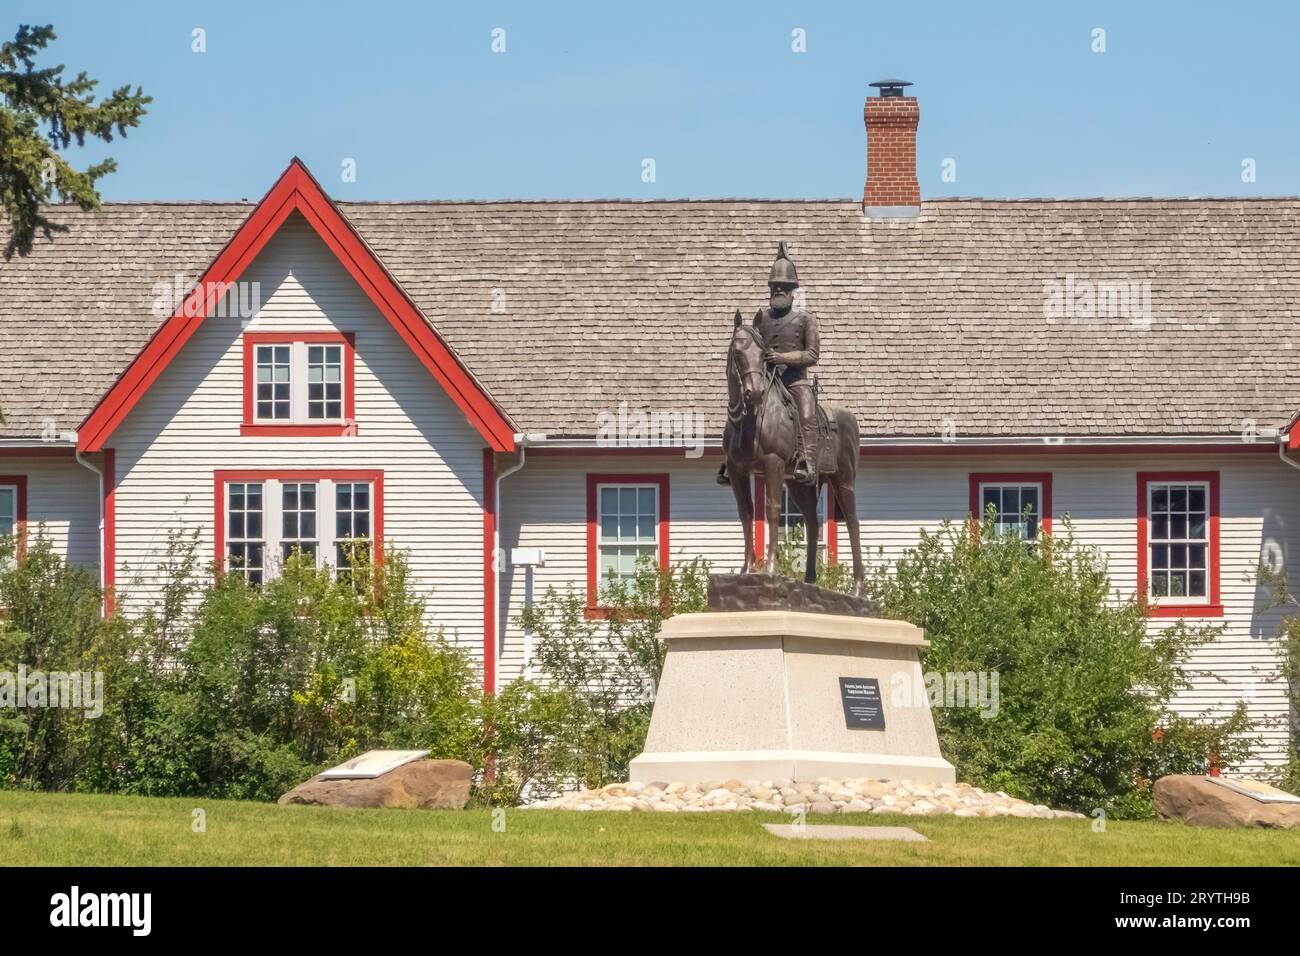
<point>39,829</point>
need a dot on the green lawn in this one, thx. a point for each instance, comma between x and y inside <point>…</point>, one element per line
<point>89,830</point>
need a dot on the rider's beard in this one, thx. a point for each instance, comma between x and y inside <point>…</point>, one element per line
<point>781,301</point>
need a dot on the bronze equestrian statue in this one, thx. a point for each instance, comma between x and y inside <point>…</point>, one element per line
<point>774,430</point>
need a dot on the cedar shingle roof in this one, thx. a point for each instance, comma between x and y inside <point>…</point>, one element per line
<point>923,321</point>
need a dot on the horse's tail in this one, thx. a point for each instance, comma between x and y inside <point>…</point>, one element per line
<point>846,425</point>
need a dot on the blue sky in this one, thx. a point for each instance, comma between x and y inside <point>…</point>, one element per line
<point>713,92</point>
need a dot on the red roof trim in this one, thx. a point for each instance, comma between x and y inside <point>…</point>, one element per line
<point>296,189</point>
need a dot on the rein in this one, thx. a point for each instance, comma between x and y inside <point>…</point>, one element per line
<point>741,410</point>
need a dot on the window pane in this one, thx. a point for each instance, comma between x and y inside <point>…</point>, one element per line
<point>646,527</point>
<point>1196,498</point>
<point>1029,499</point>
<point>609,527</point>
<point>1196,584</point>
<point>609,501</point>
<point>1010,502</point>
<point>1178,527</point>
<point>1160,499</point>
<point>991,497</point>
<point>627,501</point>
<point>8,511</point>
<point>627,527</point>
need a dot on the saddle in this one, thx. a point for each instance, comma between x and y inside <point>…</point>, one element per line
<point>827,428</point>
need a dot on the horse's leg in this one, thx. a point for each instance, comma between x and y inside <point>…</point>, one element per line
<point>805,496</point>
<point>846,495</point>
<point>773,482</point>
<point>740,486</point>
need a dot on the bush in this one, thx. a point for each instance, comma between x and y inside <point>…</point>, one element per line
<point>1083,719</point>
<point>1277,588</point>
<point>228,690</point>
<point>53,622</point>
<point>599,678</point>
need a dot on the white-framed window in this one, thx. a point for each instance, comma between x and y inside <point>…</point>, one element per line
<point>627,523</point>
<point>246,530</point>
<point>353,509</point>
<point>328,519</point>
<point>1178,543</point>
<point>324,382</point>
<point>298,382</point>
<point>273,400</point>
<point>298,525</point>
<point>1018,506</point>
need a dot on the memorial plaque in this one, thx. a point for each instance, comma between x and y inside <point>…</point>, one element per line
<point>862,704</point>
<point>371,764</point>
<point>1249,787</point>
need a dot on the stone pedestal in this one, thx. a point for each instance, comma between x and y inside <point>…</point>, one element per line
<point>756,695</point>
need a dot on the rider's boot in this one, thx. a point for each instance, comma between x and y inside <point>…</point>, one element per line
<point>722,478</point>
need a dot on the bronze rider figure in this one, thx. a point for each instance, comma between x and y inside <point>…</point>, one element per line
<point>791,339</point>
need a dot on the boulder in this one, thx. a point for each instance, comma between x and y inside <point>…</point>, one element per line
<point>1200,802</point>
<point>420,784</point>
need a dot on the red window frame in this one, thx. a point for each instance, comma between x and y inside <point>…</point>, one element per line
<point>1213,607</point>
<point>1042,478</point>
<point>594,611</point>
<point>222,477</point>
<point>19,482</point>
<point>249,426</point>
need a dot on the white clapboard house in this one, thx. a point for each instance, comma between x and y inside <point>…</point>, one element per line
<point>454,378</point>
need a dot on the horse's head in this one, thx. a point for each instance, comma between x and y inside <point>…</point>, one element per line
<point>745,362</point>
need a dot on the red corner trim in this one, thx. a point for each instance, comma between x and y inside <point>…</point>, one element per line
<point>301,429</point>
<point>221,477</point>
<point>109,557</point>
<point>1215,606</point>
<point>1043,478</point>
<point>594,610</point>
<point>297,190</point>
<point>19,483</point>
<point>489,571</point>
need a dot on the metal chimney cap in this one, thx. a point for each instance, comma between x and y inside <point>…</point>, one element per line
<point>890,87</point>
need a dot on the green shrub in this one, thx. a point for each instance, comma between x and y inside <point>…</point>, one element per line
<point>600,677</point>
<point>1083,719</point>
<point>228,690</point>
<point>1277,590</point>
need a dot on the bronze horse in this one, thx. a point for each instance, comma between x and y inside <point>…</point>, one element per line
<point>761,437</point>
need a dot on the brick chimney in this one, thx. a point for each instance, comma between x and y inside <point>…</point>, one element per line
<point>892,190</point>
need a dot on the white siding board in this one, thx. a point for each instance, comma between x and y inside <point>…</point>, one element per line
<point>63,502</point>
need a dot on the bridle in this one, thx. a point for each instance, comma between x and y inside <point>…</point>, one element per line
<point>741,410</point>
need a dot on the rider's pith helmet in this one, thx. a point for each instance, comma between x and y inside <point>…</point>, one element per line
<point>782,269</point>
